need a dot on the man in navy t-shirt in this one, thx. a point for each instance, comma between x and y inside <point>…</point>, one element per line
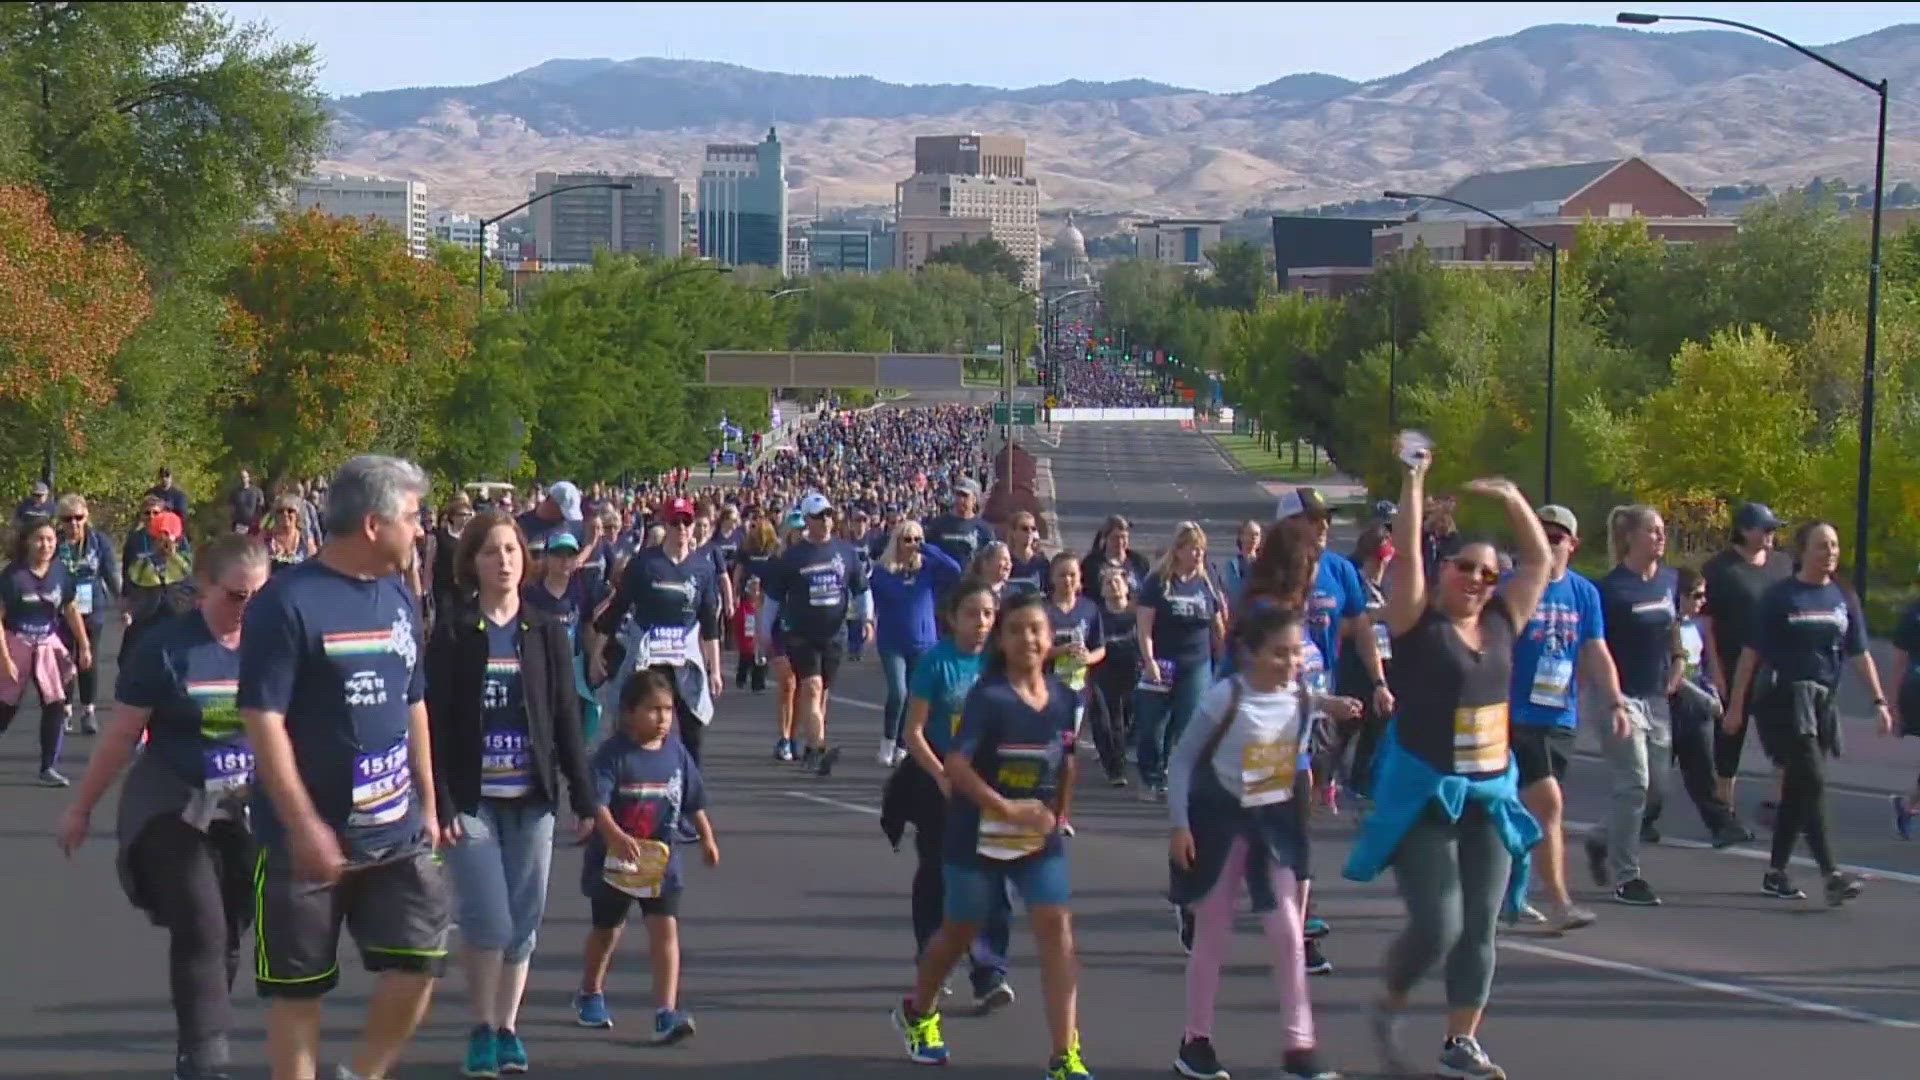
<point>817,586</point>
<point>330,690</point>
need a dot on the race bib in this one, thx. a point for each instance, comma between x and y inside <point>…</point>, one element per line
<point>1165,684</point>
<point>83,597</point>
<point>506,766</point>
<point>666,645</point>
<point>751,624</point>
<point>1267,770</point>
<point>1552,682</point>
<point>1480,739</point>
<point>1383,641</point>
<point>382,787</point>
<point>1003,839</point>
<point>642,879</point>
<point>229,770</point>
<point>823,590</point>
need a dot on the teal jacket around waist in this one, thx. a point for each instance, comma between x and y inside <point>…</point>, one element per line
<point>1404,785</point>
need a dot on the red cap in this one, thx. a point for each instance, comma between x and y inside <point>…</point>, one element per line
<point>166,523</point>
<point>678,509</point>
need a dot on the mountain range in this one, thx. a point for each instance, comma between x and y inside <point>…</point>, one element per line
<point>1708,107</point>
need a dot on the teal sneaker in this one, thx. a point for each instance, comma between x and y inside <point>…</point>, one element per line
<point>483,1057</point>
<point>590,1010</point>
<point>511,1051</point>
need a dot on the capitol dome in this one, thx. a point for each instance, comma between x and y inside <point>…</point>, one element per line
<point>1070,244</point>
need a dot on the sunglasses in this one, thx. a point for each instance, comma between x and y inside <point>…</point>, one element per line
<point>73,517</point>
<point>909,539</point>
<point>1488,575</point>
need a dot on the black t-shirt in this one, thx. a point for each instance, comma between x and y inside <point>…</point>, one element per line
<point>1734,588</point>
<point>1639,615</point>
<point>1452,711</point>
<point>1183,613</point>
<point>1807,632</point>
<point>188,681</point>
<point>33,603</point>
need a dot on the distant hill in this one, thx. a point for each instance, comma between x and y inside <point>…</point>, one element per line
<point>1709,107</point>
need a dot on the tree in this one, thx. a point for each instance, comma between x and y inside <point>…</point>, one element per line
<point>985,257</point>
<point>1241,277</point>
<point>1904,193</point>
<point>349,341</point>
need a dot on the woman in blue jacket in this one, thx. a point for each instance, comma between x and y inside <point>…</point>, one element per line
<point>907,582</point>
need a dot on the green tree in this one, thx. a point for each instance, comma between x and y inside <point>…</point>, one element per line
<point>1241,277</point>
<point>985,257</point>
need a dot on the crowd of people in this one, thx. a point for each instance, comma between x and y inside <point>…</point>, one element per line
<point>1108,384</point>
<point>332,710</point>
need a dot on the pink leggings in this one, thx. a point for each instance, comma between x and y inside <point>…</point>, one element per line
<point>1213,933</point>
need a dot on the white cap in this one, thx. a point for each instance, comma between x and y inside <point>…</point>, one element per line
<point>815,504</point>
<point>567,497</point>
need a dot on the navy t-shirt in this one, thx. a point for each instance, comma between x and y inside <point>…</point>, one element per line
<point>33,603</point>
<point>1182,618</point>
<point>814,584</point>
<point>567,609</point>
<point>188,682</point>
<point>506,763</point>
<point>338,657</point>
<point>1033,574</point>
<point>1019,751</point>
<point>1079,623</point>
<point>1120,630</point>
<point>1807,632</point>
<point>1639,614</point>
<point>647,791</point>
<point>961,538</point>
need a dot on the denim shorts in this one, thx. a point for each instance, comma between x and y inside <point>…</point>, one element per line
<point>1041,881</point>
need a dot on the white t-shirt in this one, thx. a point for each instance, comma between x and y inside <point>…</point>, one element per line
<point>1257,757</point>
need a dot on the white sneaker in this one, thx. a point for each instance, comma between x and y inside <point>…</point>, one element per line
<point>888,754</point>
<point>89,722</point>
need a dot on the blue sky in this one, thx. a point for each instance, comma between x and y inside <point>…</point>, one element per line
<point>1208,46</point>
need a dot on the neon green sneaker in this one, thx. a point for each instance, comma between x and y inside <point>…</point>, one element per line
<point>922,1034</point>
<point>1068,1066</point>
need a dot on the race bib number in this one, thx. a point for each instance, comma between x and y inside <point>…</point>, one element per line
<point>1383,641</point>
<point>667,645</point>
<point>83,597</point>
<point>1165,667</point>
<point>643,879</point>
<point>505,764</point>
<point>1003,839</point>
<point>229,770</point>
<point>823,590</point>
<point>382,787</point>
<point>1267,770</point>
<point>1552,682</point>
<point>751,623</point>
<point>1480,739</point>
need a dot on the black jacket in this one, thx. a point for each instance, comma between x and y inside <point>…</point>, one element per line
<point>456,678</point>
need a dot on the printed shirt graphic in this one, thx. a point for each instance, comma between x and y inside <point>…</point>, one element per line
<point>33,603</point>
<point>506,764</point>
<point>83,568</point>
<point>190,681</point>
<point>1078,624</point>
<point>647,792</point>
<point>1546,655</point>
<point>338,657</point>
<point>1019,751</point>
<point>817,583</point>
<point>1182,618</point>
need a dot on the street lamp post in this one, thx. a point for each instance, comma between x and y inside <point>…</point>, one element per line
<point>1863,492</point>
<point>1553,314</point>
<point>487,223</point>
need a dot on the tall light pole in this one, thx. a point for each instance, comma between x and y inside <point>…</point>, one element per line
<point>1862,495</point>
<point>487,223</point>
<point>1553,315</point>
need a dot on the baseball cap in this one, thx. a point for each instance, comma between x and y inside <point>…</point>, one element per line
<point>1754,515</point>
<point>815,504</point>
<point>795,520</point>
<point>678,508</point>
<point>967,485</point>
<point>1560,517</point>
<point>166,523</point>
<point>562,541</point>
<point>40,488</point>
<point>1301,500</point>
<point>567,497</point>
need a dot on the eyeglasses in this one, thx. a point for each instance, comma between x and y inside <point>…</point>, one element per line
<point>910,540</point>
<point>1487,574</point>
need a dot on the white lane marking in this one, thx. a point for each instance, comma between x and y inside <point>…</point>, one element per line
<point>1715,986</point>
<point>1692,982</point>
<point>855,702</point>
<point>1582,827</point>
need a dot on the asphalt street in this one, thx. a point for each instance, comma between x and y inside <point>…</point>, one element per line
<point>797,944</point>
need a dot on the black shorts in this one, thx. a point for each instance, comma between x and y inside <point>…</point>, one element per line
<point>815,659</point>
<point>399,911</point>
<point>1540,752</point>
<point>610,906</point>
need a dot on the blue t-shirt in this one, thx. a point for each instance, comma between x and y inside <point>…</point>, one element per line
<point>961,538</point>
<point>567,609</point>
<point>1019,751</point>
<point>1081,623</point>
<point>1337,596</point>
<point>188,681</point>
<point>903,604</point>
<point>1182,618</point>
<point>815,585</point>
<point>1546,655</point>
<point>1807,632</point>
<point>1033,574</point>
<point>647,791</point>
<point>338,657</point>
<point>33,603</point>
<point>506,764</point>
<point>1640,614</point>
<point>942,679</point>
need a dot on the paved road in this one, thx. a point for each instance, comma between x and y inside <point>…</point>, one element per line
<point>798,943</point>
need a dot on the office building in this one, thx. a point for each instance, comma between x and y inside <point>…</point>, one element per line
<point>454,227</point>
<point>799,264</point>
<point>569,227</point>
<point>401,204</point>
<point>1324,256</point>
<point>1182,242</point>
<point>742,205</point>
<point>966,187</point>
<point>841,251</point>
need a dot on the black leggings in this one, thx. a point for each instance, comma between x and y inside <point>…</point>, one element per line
<point>1110,713</point>
<point>1802,804</point>
<point>53,721</point>
<point>201,888</point>
<point>87,681</point>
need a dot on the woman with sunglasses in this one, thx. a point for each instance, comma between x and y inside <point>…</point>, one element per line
<point>1447,814</point>
<point>88,556</point>
<point>908,580</point>
<point>1032,568</point>
<point>186,857</point>
<point>289,543</point>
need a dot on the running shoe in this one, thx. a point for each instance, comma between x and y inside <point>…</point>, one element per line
<point>89,721</point>
<point>1317,963</point>
<point>885,757</point>
<point>1116,779</point>
<point>810,759</point>
<point>1160,791</point>
<point>1330,797</point>
<point>511,1051</point>
<point>1531,914</point>
<point>1649,834</point>
<point>1842,887</point>
<point>483,1056</point>
<point>1305,1065</point>
<point>1066,827</point>
<point>1183,927</point>
<point>1597,860</point>
<point>1570,917</point>
<point>1902,817</point>
<point>590,1010</point>
<point>921,1033</point>
<point>1730,834</point>
<point>1777,884</point>
<point>994,998</point>
<point>1197,1061</point>
<point>1462,1059</point>
<point>1316,928</point>
<point>186,1067</point>
<point>670,1026</point>
<point>1383,1023</point>
<point>1068,1065</point>
<point>823,766</point>
<point>783,750</point>
<point>1636,893</point>
<point>51,778</point>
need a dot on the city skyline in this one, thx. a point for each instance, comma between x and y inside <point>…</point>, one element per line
<point>1212,47</point>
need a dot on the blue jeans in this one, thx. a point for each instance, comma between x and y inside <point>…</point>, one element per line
<point>1159,716</point>
<point>856,638</point>
<point>977,889</point>
<point>499,873</point>
<point>898,667</point>
<point>987,955</point>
